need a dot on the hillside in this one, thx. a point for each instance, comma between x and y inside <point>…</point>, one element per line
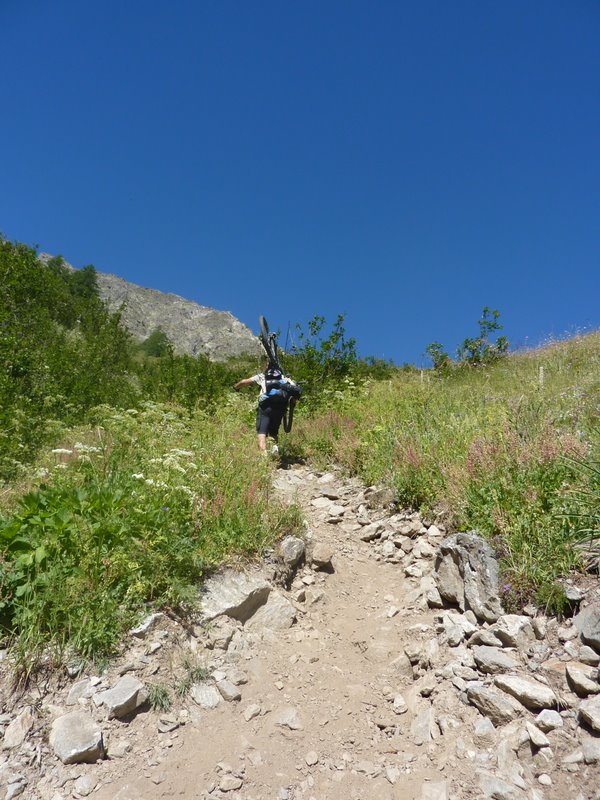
<point>192,328</point>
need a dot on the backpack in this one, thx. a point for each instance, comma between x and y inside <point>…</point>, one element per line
<point>279,392</point>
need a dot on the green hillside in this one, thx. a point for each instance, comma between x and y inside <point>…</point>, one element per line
<point>130,472</point>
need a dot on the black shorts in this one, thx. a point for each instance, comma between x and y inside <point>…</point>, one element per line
<point>268,420</point>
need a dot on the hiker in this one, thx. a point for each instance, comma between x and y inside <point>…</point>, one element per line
<point>276,391</point>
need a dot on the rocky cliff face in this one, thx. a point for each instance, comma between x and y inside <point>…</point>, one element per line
<point>192,328</point>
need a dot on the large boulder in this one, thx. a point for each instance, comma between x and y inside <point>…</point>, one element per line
<point>587,623</point>
<point>467,575</point>
<point>126,696</point>
<point>235,594</point>
<point>76,738</point>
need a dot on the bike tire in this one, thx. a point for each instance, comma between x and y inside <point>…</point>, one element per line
<point>288,417</point>
<point>268,341</point>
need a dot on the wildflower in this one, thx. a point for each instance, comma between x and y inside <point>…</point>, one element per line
<point>177,452</point>
<point>132,411</point>
<point>60,466</point>
<point>86,448</point>
<point>139,476</point>
<point>60,451</point>
<point>42,472</point>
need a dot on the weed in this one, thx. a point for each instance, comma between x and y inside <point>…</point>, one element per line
<point>159,697</point>
<point>194,672</point>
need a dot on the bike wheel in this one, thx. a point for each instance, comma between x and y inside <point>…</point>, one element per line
<point>268,341</point>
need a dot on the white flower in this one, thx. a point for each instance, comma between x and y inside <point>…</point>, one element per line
<point>177,452</point>
<point>133,411</point>
<point>42,472</point>
<point>62,451</point>
<point>86,448</point>
<point>60,466</point>
<point>149,481</point>
<point>139,476</point>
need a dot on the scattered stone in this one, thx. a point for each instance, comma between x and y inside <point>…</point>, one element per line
<point>230,783</point>
<point>370,532</point>
<point>311,758</point>
<point>545,779</point>
<point>436,790</point>
<point>498,707</point>
<point>496,788</point>
<point>399,705</point>
<point>81,689</point>
<point>205,695</point>
<point>514,630</point>
<point>589,710</point>
<point>580,683</point>
<point>531,693</point>
<point>587,623</point>
<point>292,550</point>
<point>126,696</point>
<point>76,738</point>
<point>234,594</point>
<point>548,720</point>
<point>467,574</point>
<point>484,732</point>
<point>85,784</point>
<point>288,718</point>
<point>142,629</point>
<point>251,711</point>
<point>591,751</point>
<point>587,655</point>
<point>17,731</point>
<point>536,736</point>
<point>422,728</point>
<point>14,790</point>
<point>434,599</point>
<point>228,690</point>
<point>321,557</point>
<point>492,660</point>
<point>118,748</point>
<point>276,614</point>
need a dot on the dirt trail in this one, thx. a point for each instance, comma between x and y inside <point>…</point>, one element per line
<point>334,667</point>
<point>363,697</point>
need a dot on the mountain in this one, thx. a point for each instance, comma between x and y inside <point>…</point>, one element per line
<point>192,328</point>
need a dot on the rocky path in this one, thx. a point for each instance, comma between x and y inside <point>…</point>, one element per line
<point>331,672</point>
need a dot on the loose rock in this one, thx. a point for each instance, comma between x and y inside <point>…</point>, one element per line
<point>76,738</point>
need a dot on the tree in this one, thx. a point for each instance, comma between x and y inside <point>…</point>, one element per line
<point>480,350</point>
<point>157,344</point>
<point>439,357</point>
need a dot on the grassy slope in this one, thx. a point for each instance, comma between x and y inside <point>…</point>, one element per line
<point>491,448</point>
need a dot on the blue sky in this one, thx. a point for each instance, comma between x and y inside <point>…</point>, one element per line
<point>403,163</point>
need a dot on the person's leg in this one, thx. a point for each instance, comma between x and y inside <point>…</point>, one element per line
<point>263,421</point>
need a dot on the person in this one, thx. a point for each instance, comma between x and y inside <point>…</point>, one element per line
<point>275,390</point>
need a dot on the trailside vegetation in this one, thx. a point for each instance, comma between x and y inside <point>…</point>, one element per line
<point>129,471</point>
<point>510,449</point>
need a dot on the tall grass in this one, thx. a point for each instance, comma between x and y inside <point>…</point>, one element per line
<point>131,511</point>
<point>497,449</point>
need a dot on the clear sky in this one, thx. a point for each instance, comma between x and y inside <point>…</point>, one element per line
<point>403,163</point>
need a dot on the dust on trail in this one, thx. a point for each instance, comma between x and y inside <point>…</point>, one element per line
<point>359,699</point>
<point>334,667</point>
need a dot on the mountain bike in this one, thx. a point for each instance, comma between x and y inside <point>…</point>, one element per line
<point>269,343</point>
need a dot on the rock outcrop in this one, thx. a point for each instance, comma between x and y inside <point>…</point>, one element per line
<point>192,328</point>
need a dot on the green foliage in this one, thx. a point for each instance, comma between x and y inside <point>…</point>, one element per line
<point>480,350</point>
<point>61,352</point>
<point>193,672</point>
<point>153,501</point>
<point>159,697</point>
<point>439,357</point>
<point>157,344</point>
<point>476,351</point>
<point>486,449</point>
<point>322,358</point>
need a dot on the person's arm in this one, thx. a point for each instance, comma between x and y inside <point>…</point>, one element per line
<point>244,382</point>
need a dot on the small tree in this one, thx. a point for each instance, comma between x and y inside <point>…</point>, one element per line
<point>480,350</point>
<point>439,357</point>
<point>157,344</point>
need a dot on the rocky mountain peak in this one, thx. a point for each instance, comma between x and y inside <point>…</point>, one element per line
<point>191,327</point>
